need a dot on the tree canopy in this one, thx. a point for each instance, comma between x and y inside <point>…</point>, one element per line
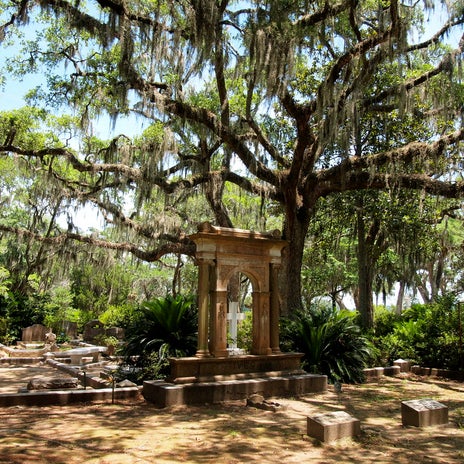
<point>284,102</point>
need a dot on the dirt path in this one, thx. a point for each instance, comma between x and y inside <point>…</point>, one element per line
<point>234,433</point>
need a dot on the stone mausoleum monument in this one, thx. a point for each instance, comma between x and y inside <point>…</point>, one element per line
<point>214,375</point>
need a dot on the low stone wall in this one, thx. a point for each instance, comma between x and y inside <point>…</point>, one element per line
<point>22,353</point>
<point>433,372</point>
<point>377,372</point>
<point>401,366</point>
<point>66,397</point>
<point>21,361</point>
<point>84,378</point>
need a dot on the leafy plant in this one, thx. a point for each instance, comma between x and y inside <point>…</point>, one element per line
<point>427,334</point>
<point>331,341</point>
<point>167,327</point>
<point>245,332</point>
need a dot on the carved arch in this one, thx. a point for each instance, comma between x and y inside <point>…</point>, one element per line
<point>220,253</point>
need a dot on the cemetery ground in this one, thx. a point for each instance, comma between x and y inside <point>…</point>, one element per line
<point>232,433</point>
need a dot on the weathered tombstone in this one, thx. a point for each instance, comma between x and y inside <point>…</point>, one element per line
<point>34,333</point>
<point>258,401</point>
<point>392,370</point>
<point>50,337</point>
<point>333,426</point>
<point>92,330</point>
<point>69,329</point>
<point>117,332</point>
<point>405,366</point>
<point>423,413</point>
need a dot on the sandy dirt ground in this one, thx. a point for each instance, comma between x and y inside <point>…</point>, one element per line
<point>233,433</point>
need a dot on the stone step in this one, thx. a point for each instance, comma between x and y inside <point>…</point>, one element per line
<point>164,394</point>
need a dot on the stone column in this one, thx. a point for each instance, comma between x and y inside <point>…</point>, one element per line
<point>218,324</point>
<point>261,332</point>
<point>203,307</point>
<point>275,309</point>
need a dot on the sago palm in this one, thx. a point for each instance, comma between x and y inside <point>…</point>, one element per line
<point>331,341</point>
<point>167,326</point>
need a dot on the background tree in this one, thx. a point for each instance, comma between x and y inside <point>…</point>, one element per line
<point>210,78</point>
<point>329,260</point>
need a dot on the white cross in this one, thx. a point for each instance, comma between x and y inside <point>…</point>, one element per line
<point>234,316</point>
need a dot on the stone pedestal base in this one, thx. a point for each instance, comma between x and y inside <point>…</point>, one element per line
<point>164,394</point>
<point>333,426</point>
<point>423,413</point>
<point>212,369</point>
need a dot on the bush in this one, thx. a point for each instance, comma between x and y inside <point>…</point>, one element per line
<point>20,311</point>
<point>426,334</point>
<point>166,327</point>
<point>245,332</point>
<point>152,366</point>
<point>120,316</point>
<point>331,341</point>
<point>386,346</point>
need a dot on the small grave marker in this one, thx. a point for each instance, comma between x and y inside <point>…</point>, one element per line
<point>423,413</point>
<point>333,426</point>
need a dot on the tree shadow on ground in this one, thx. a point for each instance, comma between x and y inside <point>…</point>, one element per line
<point>228,433</point>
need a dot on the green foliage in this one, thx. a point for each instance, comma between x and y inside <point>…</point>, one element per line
<point>18,311</point>
<point>165,326</point>
<point>385,320</point>
<point>107,340</point>
<point>273,97</point>
<point>329,261</point>
<point>59,309</point>
<point>151,366</point>
<point>245,332</point>
<point>4,281</point>
<point>21,127</point>
<point>120,315</point>
<point>429,335</point>
<point>331,341</point>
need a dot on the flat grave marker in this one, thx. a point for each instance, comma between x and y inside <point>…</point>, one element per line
<point>423,413</point>
<point>333,426</point>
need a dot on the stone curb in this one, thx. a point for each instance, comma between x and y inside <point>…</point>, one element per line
<point>62,397</point>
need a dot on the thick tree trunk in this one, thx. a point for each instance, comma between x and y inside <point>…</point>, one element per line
<point>295,230</point>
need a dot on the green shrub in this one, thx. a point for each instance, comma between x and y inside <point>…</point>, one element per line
<point>331,341</point>
<point>384,321</point>
<point>152,366</point>
<point>120,316</point>
<point>166,327</point>
<point>245,332</point>
<point>426,334</point>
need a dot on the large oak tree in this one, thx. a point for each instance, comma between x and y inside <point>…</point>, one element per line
<point>276,97</point>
